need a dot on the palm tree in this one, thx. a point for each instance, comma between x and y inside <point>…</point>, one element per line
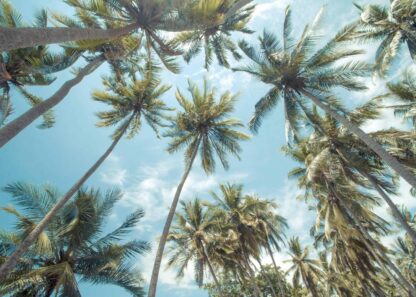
<point>213,35</point>
<point>129,102</point>
<point>296,74</point>
<point>73,247</point>
<point>203,127</point>
<point>139,15</point>
<point>239,211</point>
<point>344,203</point>
<point>303,267</point>
<point>121,55</point>
<point>404,92</point>
<point>392,25</point>
<point>190,237</point>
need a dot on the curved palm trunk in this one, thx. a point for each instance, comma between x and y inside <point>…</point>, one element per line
<point>165,233</point>
<point>279,281</point>
<point>372,144</point>
<point>15,38</point>
<point>211,268</point>
<point>11,262</point>
<point>385,258</point>
<point>17,125</point>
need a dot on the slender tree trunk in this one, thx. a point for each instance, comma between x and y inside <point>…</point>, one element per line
<point>15,38</point>
<point>11,262</point>
<point>250,271</point>
<point>269,282</point>
<point>17,125</point>
<point>372,144</point>
<point>279,281</point>
<point>211,268</point>
<point>165,233</point>
<point>385,258</point>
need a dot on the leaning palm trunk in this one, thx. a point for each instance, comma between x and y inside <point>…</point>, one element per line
<point>15,38</point>
<point>11,262</point>
<point>17,125</point>
<point>372,144</point>
<point>211,268</point>
<point>403,281</point>
<point>166,228</point>
<point>279,281</point>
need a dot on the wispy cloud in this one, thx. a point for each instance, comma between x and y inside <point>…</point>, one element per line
<point>113,174</point>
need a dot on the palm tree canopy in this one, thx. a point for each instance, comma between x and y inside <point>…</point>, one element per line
<point>293,67</point>
<point>133,99</point>
<point>204,124</point>
<point>392,25</point>
<point>213,31</point>
<point>193,229</point>
<point>73,247</point>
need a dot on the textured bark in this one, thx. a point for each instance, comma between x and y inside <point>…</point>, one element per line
<point>400,169</point>
<point>15,38</point>
<point>17,125</point>
<point>11,262</point>
<point>168,223</point>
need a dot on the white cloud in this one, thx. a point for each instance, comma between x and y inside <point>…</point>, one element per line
<point>113,174</point>
<point>267,10</point>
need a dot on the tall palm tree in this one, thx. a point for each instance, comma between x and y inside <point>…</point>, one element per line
<point>190,237</point>
<point>213,36</point>
<point>203,126</point>
<point>238,211</point>
<point>73,247</point>
<point>303,267</point>
<point>393,26</point>
<point>129,103</point>
<point>296,74</point>
<point>138,15</point>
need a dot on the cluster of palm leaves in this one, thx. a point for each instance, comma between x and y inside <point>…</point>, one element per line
<point>345,173</point>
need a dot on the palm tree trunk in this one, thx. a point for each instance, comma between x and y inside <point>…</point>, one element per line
<point>257,292</point>
<point>15,38</point>
<point>367,236</point>
<point>211,268</point>
<point>372,144</point>
<point>164,236</point>
<point>17,125</point>
<point>279,281</point>
<point>269,282</point>
<point>11,262</point>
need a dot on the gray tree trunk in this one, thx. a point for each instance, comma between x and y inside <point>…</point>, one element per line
<point>372,144</point>
<point>166,228</point>
<point>15,38</point>
<point>279,281</point>
<point>11,262</point>
<point>269,282</point>
<point>17,125</point>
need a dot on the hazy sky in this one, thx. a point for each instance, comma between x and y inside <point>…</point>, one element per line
<point>143,169</point>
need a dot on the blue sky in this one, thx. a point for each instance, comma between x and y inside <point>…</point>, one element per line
<point>144,170</point>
